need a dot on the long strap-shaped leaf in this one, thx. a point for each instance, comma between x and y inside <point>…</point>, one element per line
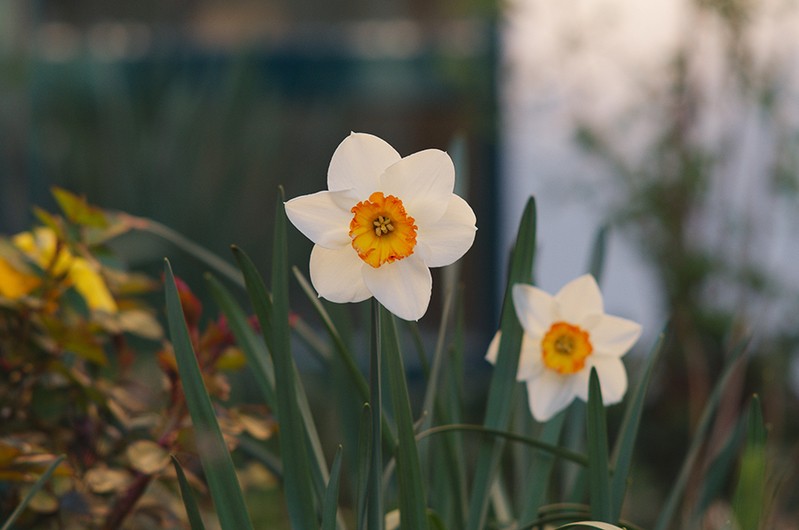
<point>40,482</point>
<point>374,504</point>
<point>330,507</point>
<point>364,466</point>
<point>293,443</point>
<point>596,430</point>
<point>344,353</point>
<point>673,500</point>
<point>253,347</point>
<point>192,510</point>
<point>412,498</point>
<point>623,451</point>
<point>503,381</point>
<point>215,458</point>
<point>262,304</point>
<point>750,494</point>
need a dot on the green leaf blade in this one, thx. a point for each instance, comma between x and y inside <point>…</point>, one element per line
<point>252,346</point>
<point>625,444</point>
<point>293,445</point>
<point>192,511</point>
<point>412,498</point>
<point>214,455</point>
<point>503,380</point>
<point>330,506</point>
<point>598,479</point>
<point>38,485</point>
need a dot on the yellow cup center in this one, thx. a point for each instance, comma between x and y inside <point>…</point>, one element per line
<point>381,230</point>
<point>565,348</point>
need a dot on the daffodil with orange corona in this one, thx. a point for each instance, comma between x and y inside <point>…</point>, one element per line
<point>566,335</point>
<point>383,222</point>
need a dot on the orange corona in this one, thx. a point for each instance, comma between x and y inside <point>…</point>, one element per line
<point>565,348</point>
<point>381,230</point>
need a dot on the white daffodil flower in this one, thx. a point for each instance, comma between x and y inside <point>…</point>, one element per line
<point>384,221</point>
<point>564,337</point>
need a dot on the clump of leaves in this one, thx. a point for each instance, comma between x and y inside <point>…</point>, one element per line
<point>76,330</point>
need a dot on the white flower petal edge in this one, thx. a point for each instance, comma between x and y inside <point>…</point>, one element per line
<point>614,335</point>
<point>580,299</point>
<point>447,240</point>
<point>530,364</point>
<point>612,379</point>
<point>424,182</point>
<point>358,162</point>
<point>549,394</point>
<point>403,287</point>
<point>551,388</point>
<point>320,218</point>
<point>336,275</point>
<point>534,308</point>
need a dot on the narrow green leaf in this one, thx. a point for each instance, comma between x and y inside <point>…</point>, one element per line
<point>364,467</point>
<point>330,507</point>
<point>261,301</point>
<point>431,392</point>
<point>596,430</point>
<point>185,244</point>
<point>258,451</point>
<point>412,498</point>
<point>750,493</point>
<point>597,263</point>
<point>375,517</point>
<point>195,520</point>
<point>719,470</point>
<point>673,500</point>
<point>293,442</point>
<point>253,346</point>
<point>260,298</point>
<point>541,464</point>
<point>266,313</point>
<point>38,485</point>
<point>503,380</point>
<point>625,443</point>
<point>341,348</point>
<point>215,458</point>
<point>513,437</point>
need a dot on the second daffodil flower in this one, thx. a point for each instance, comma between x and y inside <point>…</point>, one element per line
<point>564,337</point>
<point>382,224</point>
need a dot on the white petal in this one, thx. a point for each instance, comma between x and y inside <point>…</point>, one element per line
<point>549,394</point>
<point>614,335</point>
<point>336,274</point>
<point>320,219</point>
<point>403,287</point>
<point>358,162</point>
<point>446,240</point>
<point>535,308</point>
<point>612,378</point>
<point>579,299</point>
<point>493,348</point>
<point>423,182</point>
<point>531,363</point>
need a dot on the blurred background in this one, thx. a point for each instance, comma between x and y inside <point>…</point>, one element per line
<point>674,123</point>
